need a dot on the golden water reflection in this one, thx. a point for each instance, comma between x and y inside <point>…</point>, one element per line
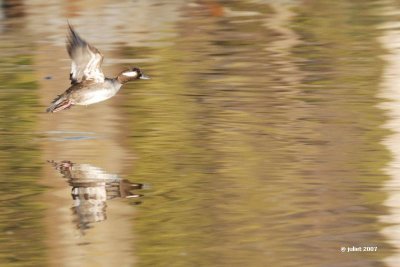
<point>259,135</point>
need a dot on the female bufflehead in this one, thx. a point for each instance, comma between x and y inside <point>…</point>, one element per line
<point>88,84</point>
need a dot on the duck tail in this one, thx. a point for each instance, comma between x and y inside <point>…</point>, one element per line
<point>58,104</point>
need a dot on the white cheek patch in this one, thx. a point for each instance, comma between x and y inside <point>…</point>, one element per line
<point>130,74</point>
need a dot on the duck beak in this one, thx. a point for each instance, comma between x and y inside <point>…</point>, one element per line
<point>144,77</point>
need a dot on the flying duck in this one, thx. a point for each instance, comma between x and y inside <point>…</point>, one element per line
<point>88,83</point>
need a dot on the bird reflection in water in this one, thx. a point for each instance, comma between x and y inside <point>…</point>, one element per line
<point>91,188</point>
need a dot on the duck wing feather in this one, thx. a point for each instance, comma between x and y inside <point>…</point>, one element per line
<point>86,59</point>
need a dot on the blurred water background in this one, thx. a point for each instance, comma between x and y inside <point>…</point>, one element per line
<point>268,135</point>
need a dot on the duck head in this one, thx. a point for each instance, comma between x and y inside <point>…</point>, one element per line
<point>131,75</point>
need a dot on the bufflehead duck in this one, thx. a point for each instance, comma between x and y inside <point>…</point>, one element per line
<point>88,84</point>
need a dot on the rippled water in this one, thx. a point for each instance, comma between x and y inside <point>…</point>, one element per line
<point>267,136</point>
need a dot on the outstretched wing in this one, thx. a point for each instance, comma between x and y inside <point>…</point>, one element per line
<point>86,59</point>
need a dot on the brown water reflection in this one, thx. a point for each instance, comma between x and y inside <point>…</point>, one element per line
<point>91,187</point>
<point>259,135</point>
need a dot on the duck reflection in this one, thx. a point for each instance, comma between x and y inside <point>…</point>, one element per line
<point>91,188</point>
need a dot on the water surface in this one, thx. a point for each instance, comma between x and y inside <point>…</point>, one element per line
<point>264,138</point>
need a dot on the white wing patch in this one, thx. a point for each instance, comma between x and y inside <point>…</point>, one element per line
<point>92,70</point>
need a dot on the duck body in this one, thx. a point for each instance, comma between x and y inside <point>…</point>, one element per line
<point>88,84</point>
<point>88,93</point>
<point>85,93</point>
